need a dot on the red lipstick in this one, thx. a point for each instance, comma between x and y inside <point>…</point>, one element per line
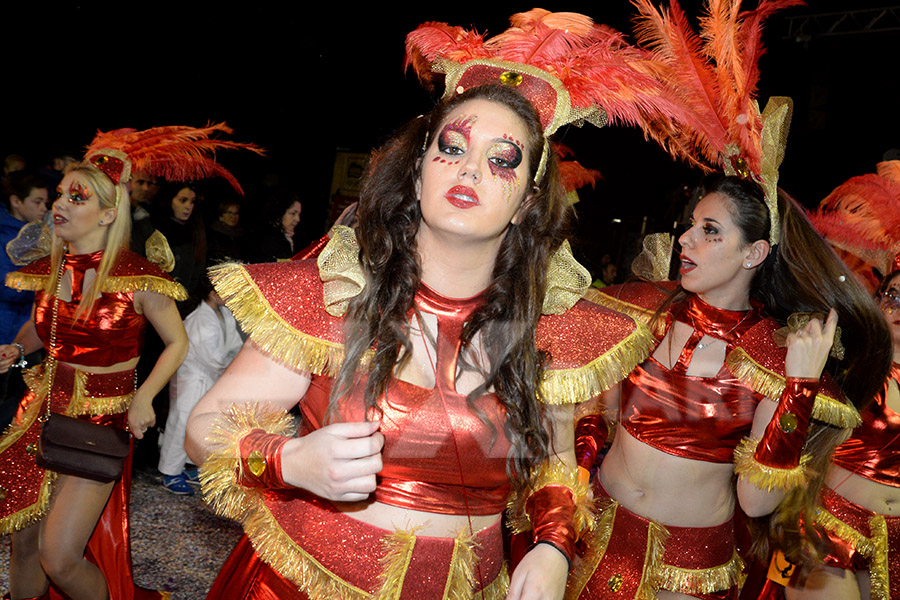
<point>462,196</point>
<point>687,265</point>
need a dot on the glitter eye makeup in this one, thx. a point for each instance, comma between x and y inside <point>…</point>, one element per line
<point>78,193</point>
<point>504,155</point>
<point>454,138</point>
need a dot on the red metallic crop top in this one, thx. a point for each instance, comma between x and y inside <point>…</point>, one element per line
<point>113,332</point>
<point>873,451</point>
<point>700,418</point>
<point>425,428</point>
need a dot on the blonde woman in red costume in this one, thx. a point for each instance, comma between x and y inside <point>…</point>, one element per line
<point>94,298</point>
<point>98,340</point>
<point>862,492</point>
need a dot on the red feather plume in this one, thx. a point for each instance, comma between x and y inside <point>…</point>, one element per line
<point>715,74</point>
<point>593,62</point>
<point>175,153</point>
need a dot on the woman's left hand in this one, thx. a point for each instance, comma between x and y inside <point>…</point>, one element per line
<point>808,348</point>
<point>140,415</point>
<point>541,575</point>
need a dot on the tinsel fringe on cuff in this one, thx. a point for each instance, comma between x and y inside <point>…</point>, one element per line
<point>222,490</point>
<point>569,386</point>
<point>874,549</point>
<point>559,473</point>
<point>268,330</point>
<point>771,385</point>
<point>765,477</point>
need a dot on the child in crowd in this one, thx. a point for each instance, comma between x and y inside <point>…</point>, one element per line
<point>214,340</point>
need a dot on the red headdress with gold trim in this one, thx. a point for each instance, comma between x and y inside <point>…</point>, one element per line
<point>569,68</point>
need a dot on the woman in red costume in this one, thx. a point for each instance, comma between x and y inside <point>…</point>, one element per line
<point>719,396</point>
<point>101,296</point>
<point>419,356</point>
<point>443,416</point>
<point>862,490</point>
<point>70,535</point>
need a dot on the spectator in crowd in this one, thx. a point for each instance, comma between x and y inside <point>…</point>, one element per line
<point>144,188</point>
<point>225,235</point>
<point>214,340</point>
<point>275,240</point>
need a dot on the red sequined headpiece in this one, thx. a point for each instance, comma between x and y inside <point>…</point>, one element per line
<point>571,69</point>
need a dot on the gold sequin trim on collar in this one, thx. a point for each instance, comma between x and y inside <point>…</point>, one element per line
<point>26,281</point>
<point>567,281</point>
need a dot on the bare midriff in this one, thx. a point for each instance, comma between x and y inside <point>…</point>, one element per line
<point>669,489</point>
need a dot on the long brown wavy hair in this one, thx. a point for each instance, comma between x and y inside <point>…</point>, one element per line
<point>389,218</point>
<point>803,274</point>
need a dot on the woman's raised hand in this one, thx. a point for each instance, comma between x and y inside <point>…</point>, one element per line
<point>808,348</point>
<point>338,462</point>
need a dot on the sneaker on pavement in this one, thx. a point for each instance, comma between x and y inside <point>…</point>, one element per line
<point>177,484</point>
<point>192,476</point>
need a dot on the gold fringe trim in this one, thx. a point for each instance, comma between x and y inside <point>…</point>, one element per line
<point>569,386</point>
<point>219,478</point>
<point>639,313</point>
<point>879,574</point>
<point>653,561</point>
<point>268,330</point>
<point>26,281</point>
<point>144,283</point>
<point>557,473</point>
<point>461,576</point>
<point>861,543</point>
<point>771,385</point>
<point>30,514</point>
<point>595,542</point>
<point>700,581</point>
<point>874,549</point>
<point>765,477</point>
<point>395,563</point>
<point>498,588</point>
<point>82,404</point>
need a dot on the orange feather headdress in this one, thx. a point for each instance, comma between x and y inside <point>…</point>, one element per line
<point>569,68</point>
<point>175,153</point>
<point>715,75</point>
<point>861,220</point>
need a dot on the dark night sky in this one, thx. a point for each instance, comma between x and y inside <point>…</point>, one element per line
<point>304,84</point>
